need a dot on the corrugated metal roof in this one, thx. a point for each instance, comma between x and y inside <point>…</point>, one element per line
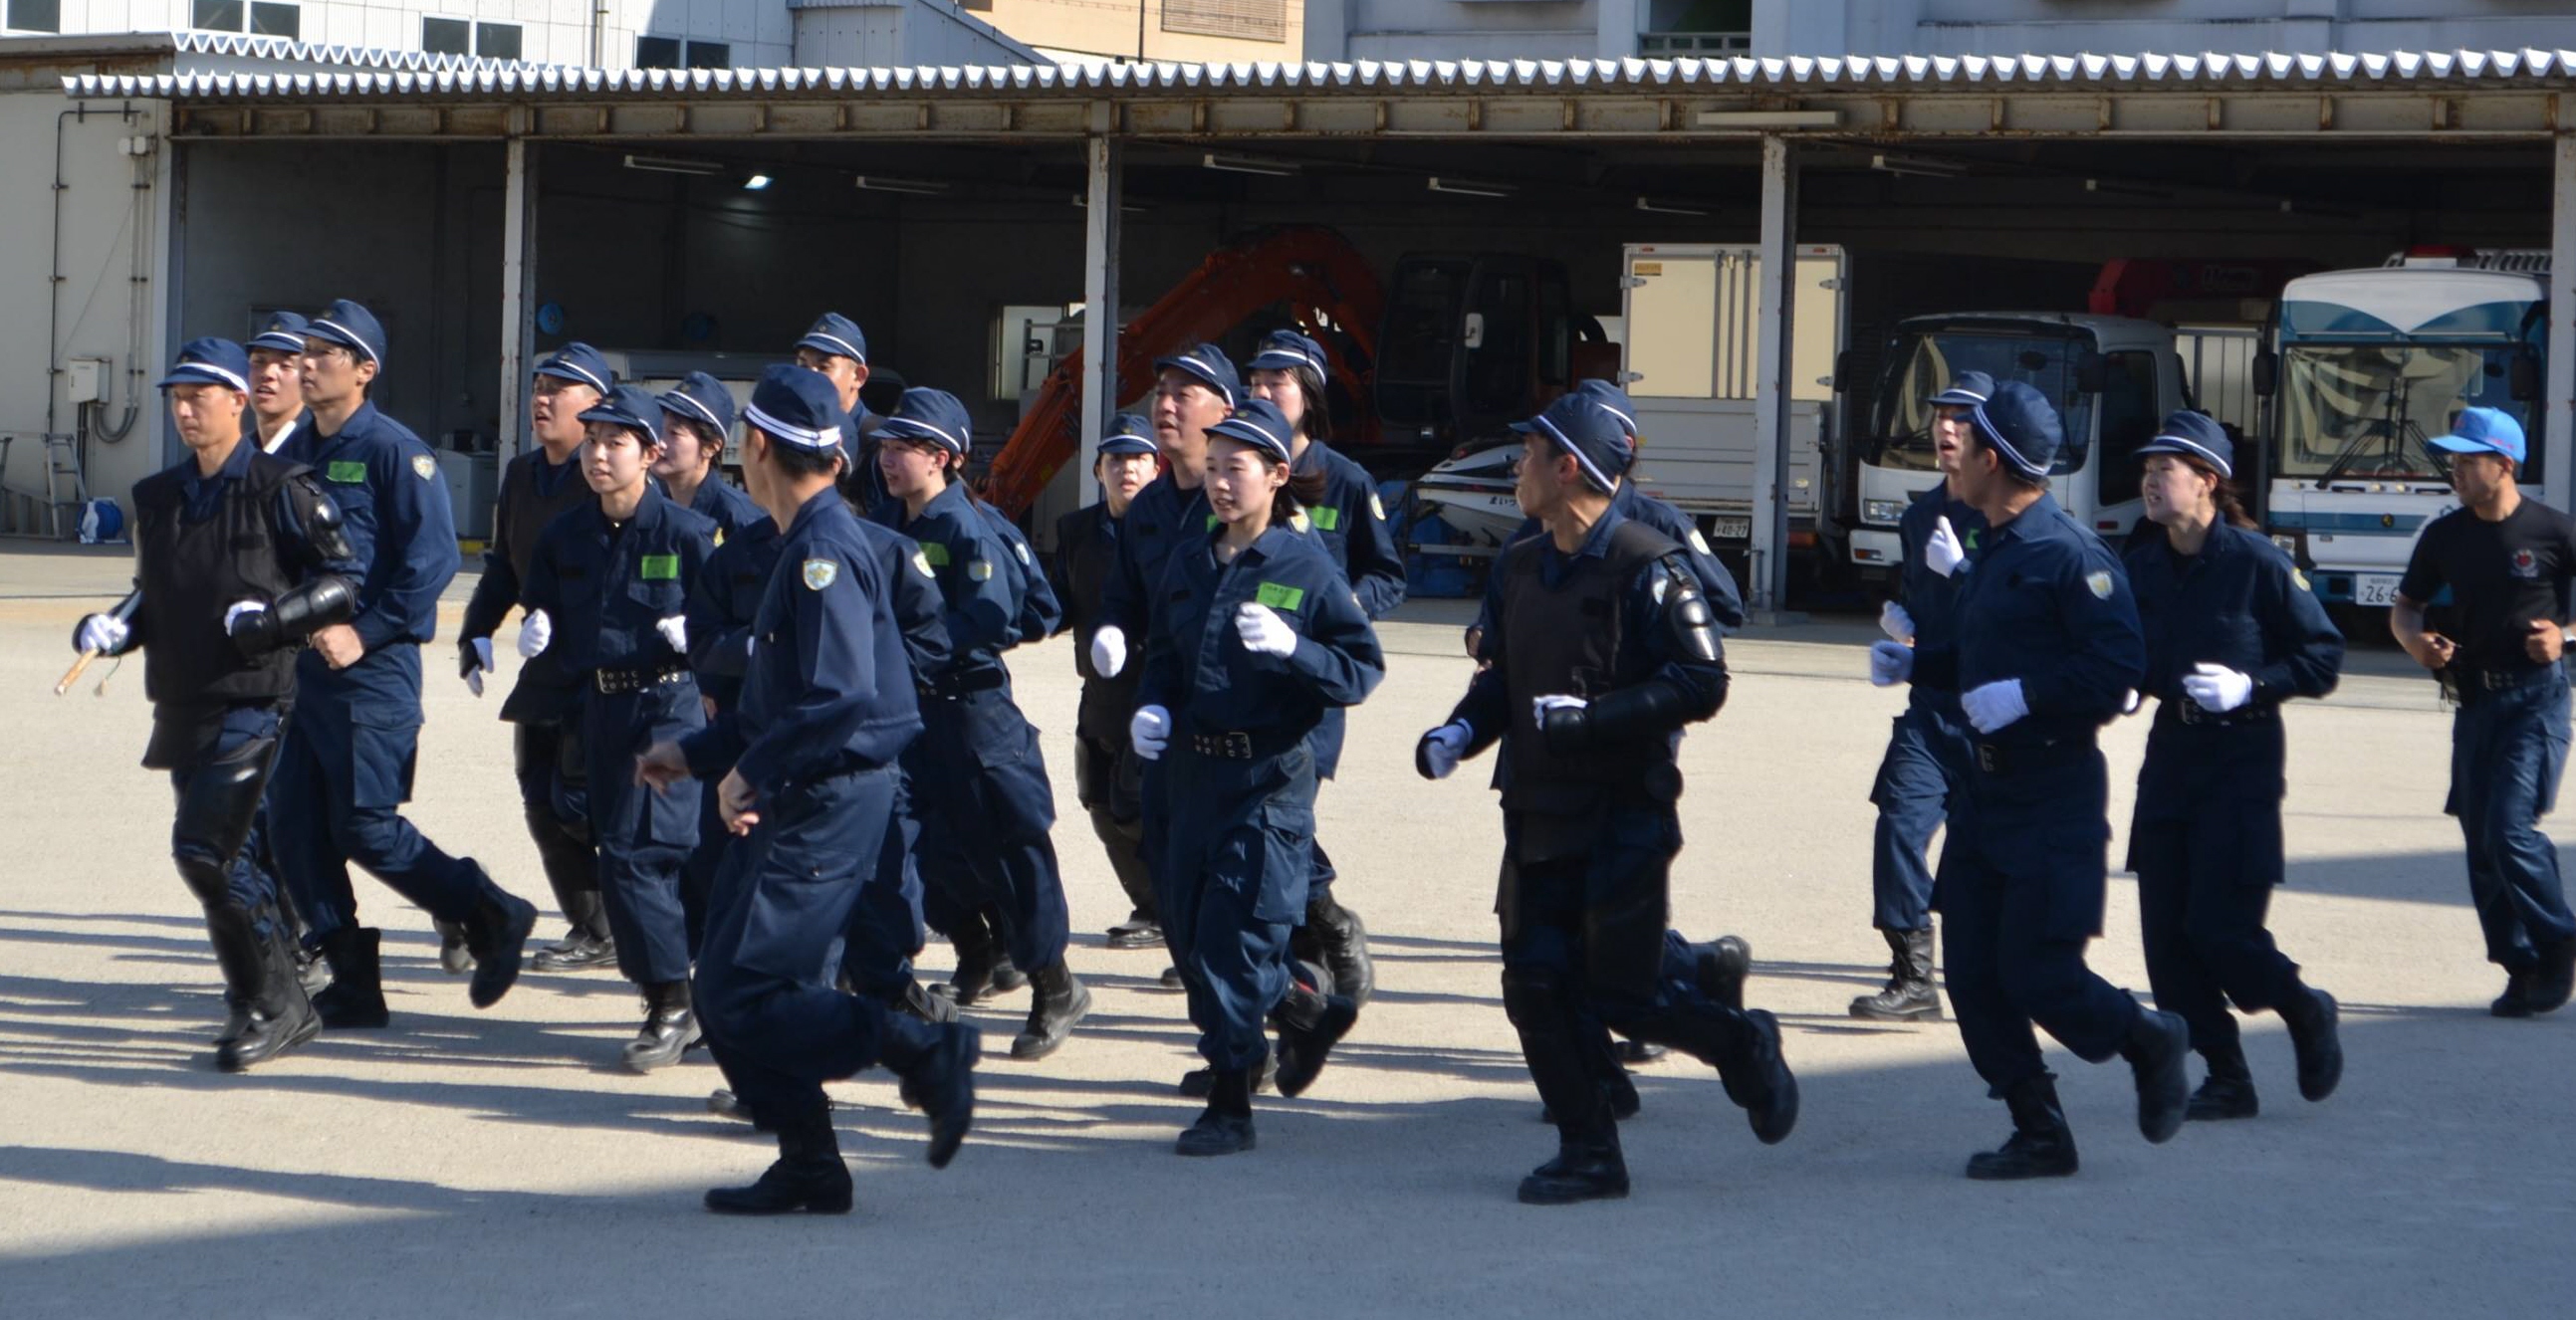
<point>282,51</point>
<point>1793,73</point>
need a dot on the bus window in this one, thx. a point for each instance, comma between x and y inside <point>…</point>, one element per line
<point>2128,420</point>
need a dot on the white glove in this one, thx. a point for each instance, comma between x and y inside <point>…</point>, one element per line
<point>1890,663</point>
<point>2218,688</point>
<point>1108,652</point>
<point>1942,553</point>
<point>1540,706</point>
<point>534,632</point>
<point>1150,731</point>
<point>482,665</point>
<point>1263,631</point>
<point>1896,623</point>
<point>674,630</point>
<point>239,608</point>
<point>103,633</point>
<point>2130,701</point>
<point>1441,749</point>
<point>1995,705</point>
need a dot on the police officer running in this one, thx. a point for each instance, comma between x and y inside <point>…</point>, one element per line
<point>544,705</point>
<point>2232,632</point>
<point>2047,651</point>
<point>1258,636</point>
<point>986,807</point>
<point>1343,511</point>
<point>238,559</point>
<point>826,709</point>
<point>607,593</point>
<point>1928,749</point>
<point>697,421</point>
<point>1600,650</point>
<point>347,762</point>
<point>2508,561</point>
<point>1107,775</point>
<point>276,379</point>
<point>834,347</point>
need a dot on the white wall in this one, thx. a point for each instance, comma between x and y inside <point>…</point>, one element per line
<point>2066,27</point>
<point>550,31</point>
<point>892,33</point>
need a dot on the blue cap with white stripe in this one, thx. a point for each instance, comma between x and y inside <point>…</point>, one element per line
<point>837,335</point>
<point>283,333</point>
<point>581,364</point>
<point>1967,390</point>
<point>2194,435</point>
<point>1260,424</point>
<point>1211,366</point>
<point>1613,398</point>
<point>1287,350</point>
<point>352,327</point>
<point>1581,426</point>
<point>2019,424</point>
<point>1128,433</point>
<point>798,407</point>
<point>932,415</point>
<point>631,406</point>
<point>702,399</point>
<point>211,362</point>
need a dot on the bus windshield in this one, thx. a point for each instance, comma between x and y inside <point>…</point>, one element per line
<point>2369,411</point>
<point>1924,362</point>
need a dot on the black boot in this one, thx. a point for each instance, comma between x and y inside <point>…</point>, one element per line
<point>1618,1091</point>
<point>940,1082</point>
<point>2156,1047</point>
<point>915,998</point>
<point>1059,1001</point>
<point>1757,1077</point>
<point>2228,1091</point>
<point>1138,931</point>
<point>1200,1083</point>
<point>2041,1146</point>
<point>2554,979</point>
<point>497,931</point>
<point>808,1176</point>
<point>1722,966</point>
<point>670,1027</point>
<point>588,943</point>
<point>2316,1036</point>
<point>980,963</point>
<point>1309,1026</point>
<point>356,995</point>
<point>2515,1002</point>
<point>280,1017</point>
<point>453,957</point>
<point>1908,994</point>
<point>1341,941</point>
<point>1588,1167</point>
<point>1225,1126</point>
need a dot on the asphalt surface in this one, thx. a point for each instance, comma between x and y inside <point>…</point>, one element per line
<point>500,1163</point>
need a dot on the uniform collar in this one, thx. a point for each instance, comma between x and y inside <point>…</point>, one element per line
<point>1310,461</point>
<point>1596,543</point>
<point>952,499</point>
<point>235,467</point>
<point>2041,510</point>
<point>821,501</point>
<point>359,424</point>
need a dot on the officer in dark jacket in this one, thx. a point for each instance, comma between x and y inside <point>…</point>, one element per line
<point>1107,777</point>
<point>835,347</point>
<point>2047,652</point>
<point>2232,631</point>
<point>979,775</point>
<point>2509,562</point>
<point>607,593</point>
<point>347,764</point>
<point>1601,649</point>
<point>1928,750</point>
<point>238,557</point>
<point>697,425</point>
<point>544,706</point>
<point>826,710</point>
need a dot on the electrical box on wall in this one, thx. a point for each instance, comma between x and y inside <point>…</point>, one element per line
<point>88,379</point>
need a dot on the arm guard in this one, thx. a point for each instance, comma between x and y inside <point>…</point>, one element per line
<point>320,520</point>
<point>1687,613</point>
<point>295,616</point>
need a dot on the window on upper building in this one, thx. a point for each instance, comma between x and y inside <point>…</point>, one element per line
<point>446,36</point>
<point>276,20</point>
<point>1697,27</point>
<point>260,18</point>
<point>1253,20</point>
<point>681,53</point>
<point>36,15</point>
<point>496,41</point>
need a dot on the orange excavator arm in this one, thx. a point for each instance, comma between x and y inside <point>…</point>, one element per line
<point>1316,272</point>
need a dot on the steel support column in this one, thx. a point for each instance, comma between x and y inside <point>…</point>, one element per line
<point>1767,591</point>
<point>1105,160</point>
<point>518,302</point>
<point>2558,421</point>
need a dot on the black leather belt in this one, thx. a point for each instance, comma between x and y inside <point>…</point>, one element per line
<point>2470,683</point>
<point>1241,744</point>
<point>2015,758</point>
<point>2190,712</point>
<point>960,685</point>
<point>613,682</point>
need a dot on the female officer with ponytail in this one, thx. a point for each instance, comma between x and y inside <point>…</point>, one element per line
<point>2232,632</point>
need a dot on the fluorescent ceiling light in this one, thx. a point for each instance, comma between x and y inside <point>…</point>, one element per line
<point>908,187</point>
<point>755,183</point>
<point>1666,208</point>
<point>1233,164</point>
<point>674,165</point>
<point>1929,167</point>
<point>1767,118</point>
<point>1471,187</point>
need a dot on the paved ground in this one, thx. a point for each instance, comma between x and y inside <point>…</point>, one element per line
<point>498,1163</point>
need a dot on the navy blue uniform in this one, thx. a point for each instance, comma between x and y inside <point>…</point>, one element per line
<point>724,504</point>
<point>1108,776</point>
<point>722,603</point>
<point>980,779</point>
<point>2021,879</point>
<point>1928,750</point>
<point>605,585</point>
<point>347,763</point>
<point>1716,585</point>
<point>827,708</point>
<point>2206,837</point>
<point>1351,523</point>
<point>2509,738</point>
<point>1242,768</point>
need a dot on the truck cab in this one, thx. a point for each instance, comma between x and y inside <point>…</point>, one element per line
<point>2113,379</point>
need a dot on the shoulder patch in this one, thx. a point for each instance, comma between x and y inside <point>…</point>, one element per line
<point>1021,549</point>
<point>346,471</point>
<point>1300,521</point>
<point>426,466</point>
<point>921,561</point>
<point>1698,543</point>
<point>2301,579</point>
<point>821,573</point>
<point>1278,596</point>
<point>981,570</point>
<point>1375,508</point>
<point>2099,584</point>
<point>1326,517</point>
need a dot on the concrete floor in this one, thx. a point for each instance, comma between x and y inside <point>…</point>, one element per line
<point>498,1163</point>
